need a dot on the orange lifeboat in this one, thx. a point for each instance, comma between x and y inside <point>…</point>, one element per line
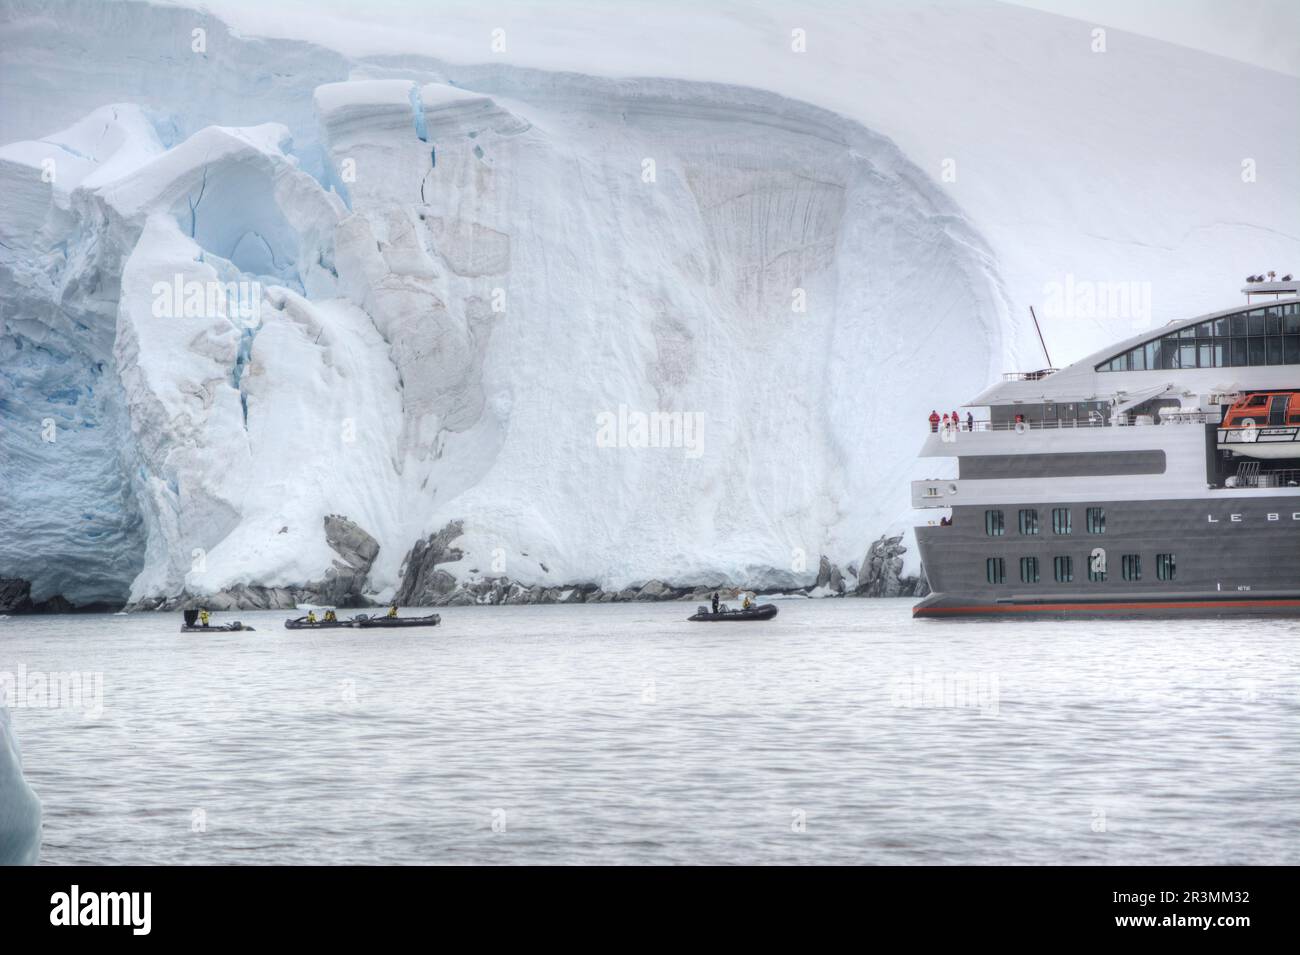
<point>1263,424</point>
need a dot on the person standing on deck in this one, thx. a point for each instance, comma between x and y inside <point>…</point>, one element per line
<point>934,421</point>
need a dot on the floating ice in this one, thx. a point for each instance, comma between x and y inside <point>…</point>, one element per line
<point>20,809</point>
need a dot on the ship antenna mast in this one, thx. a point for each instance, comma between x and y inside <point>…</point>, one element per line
<point>1040,336</point>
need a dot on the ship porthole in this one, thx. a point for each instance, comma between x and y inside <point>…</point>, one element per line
<point>1020,427</point>
<point>952,488</point>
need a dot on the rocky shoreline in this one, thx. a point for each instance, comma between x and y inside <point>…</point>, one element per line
<point>424,582</point>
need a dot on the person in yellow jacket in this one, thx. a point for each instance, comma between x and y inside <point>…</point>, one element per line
<point>311,616</point>
<point>392,611</point>
<point>330,616</point>
<point>747,603</point>
<point>203,617</point>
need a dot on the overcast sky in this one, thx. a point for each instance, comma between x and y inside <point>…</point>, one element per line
<point>1263,32</point>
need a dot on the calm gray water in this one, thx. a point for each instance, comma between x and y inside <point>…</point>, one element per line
<point>841,732</point>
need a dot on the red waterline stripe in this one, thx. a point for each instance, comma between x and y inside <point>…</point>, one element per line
<point>1030,608</point>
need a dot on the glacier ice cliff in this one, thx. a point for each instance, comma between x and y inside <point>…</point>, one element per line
<point>432,283</point>
<point>442,288</point>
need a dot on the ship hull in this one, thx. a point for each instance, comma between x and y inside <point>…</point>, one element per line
<point>1233,556</point>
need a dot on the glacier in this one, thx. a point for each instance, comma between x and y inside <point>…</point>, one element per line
<point>445,275</point>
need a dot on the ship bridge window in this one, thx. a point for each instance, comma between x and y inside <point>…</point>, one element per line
<point>1061,520</point>
<point>1165,567</point>
<point>1029,570</point>
<point>1064,569</point>
<point>1096,520</point>
<point>993,524</point>
<point>996,569</point>
<point>1259,336</point>
<point>1029,521</point>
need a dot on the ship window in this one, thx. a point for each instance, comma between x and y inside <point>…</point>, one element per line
<point>1096,520</point>
<point>993,525</point>
<point>1169,352</point>
<point>996,568</point>
<point>1130,566</point>
<point>1165,567</point>
<point>1029,521</point>
<point>1064,568</point>
<point>1061,520</point>
<point>1029,570</point>
<point>1248,338</point>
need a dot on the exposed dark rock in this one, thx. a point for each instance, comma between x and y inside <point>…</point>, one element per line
<point>655,590</point>
<point>882,569</point>
<point>823,572</point>
<point>836,582</point>
<point>423,585</point>
<point>15,595</point>
<point>921,584</point>
<point>829,576</point>
<point>16,598</point>
<point>346,579</point>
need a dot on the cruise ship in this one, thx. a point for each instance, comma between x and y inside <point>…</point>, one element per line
<point>1159,476</point>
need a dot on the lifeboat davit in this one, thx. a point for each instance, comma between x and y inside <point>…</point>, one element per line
<point>1263,424</point>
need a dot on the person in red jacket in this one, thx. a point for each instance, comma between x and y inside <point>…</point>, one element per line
<point>934,421</point>
<point>956,422</point>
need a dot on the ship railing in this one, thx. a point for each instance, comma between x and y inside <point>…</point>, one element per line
<point>1029,375</point>
<point>1056,424</point>
<point>1279,477</point>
